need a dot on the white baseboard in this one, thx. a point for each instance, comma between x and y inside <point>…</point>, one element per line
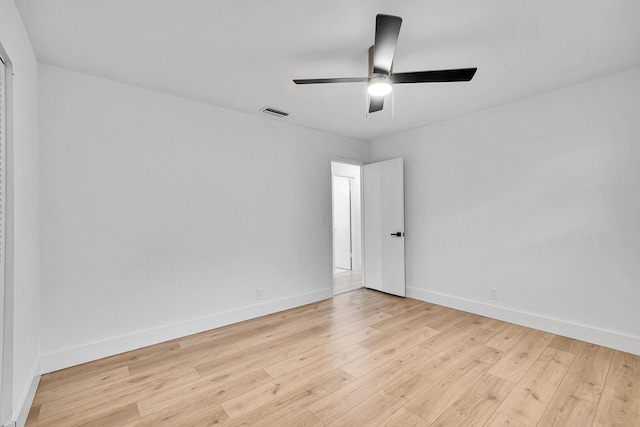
<point>97,350</point>
<point>26,400</point>
<point>615,340</point>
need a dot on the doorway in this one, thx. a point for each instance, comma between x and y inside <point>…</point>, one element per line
<point>347,226</point>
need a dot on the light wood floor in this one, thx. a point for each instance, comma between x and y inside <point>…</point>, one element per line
<point>346,281</point>
<point>362,358</point>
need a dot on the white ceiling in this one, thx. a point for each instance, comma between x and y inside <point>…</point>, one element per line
<point>243,54</point>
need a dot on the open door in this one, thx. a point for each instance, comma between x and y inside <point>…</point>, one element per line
<point>384,227</point>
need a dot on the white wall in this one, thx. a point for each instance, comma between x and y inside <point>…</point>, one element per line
<point>24,304</point>
<point>539,199</point>
<point>162,216</point>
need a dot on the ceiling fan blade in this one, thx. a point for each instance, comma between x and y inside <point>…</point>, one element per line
<point>376,103</point>
<point>387,31</point>
<point>459,75</point>
<point>336,80</point>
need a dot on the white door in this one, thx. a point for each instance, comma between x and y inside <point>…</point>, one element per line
<point>342,222</point>
<point>384,227</point>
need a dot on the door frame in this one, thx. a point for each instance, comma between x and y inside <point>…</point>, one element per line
<point>360,241</point>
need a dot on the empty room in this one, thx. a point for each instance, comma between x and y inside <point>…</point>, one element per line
<point>323,213</point>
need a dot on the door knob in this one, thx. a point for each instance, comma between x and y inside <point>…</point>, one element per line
<point>398,234</point>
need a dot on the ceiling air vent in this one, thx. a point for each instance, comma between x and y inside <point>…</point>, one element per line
<point>274,112</point>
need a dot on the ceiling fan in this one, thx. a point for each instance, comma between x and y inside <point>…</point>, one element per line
<point>381,75</point>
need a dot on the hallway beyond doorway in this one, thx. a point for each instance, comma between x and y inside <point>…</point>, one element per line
<point>347,280</point>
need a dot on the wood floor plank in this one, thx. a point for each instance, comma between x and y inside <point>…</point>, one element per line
<point>444,339</point>
<point>177,359</point>
<point>494,325</point>
<point>79,372</point>
<point>404,418</point>
<point>32,418</point>
<point>355,310</point>
<point>315,321</point>
<point>371,411</point>
<point>508,337</point>
<point>531,396</point>
<point>577,397</point>
<point>499,419</point>
<point>340,402</point>
<point>400,305</point>
<point>215,389</point>
<point>384,338</point>
<point>568,345</point>
<point>213,416</point>
<point>200,410</point>
<point>293,380</point>
<point>341,337</point>
<point>466,320</point>
<point>395,346</point>
<point>118,416</point>
<point>517,361</point>
<point>228,335</point>
<point>425,311</point>
<point>431,402</point>
<point>303,418</point>
<point>84,383</point>
<point>276,334</point>
<point>620,400</point>
<point>477,404</point>
<point>446,359</point>
<point>311,356</point>
<point>360,358</point>
<point>445,320</point>
<point>83,408</point>
<point>249,359</point>
<point>290,403</point>
<point>407,386</point>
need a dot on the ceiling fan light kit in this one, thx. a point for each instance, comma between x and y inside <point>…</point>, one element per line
<point>379,85</point>
<point>381,76</point>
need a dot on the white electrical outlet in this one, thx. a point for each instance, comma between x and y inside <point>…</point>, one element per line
<point>493,293</point>
<point>259,293</point>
